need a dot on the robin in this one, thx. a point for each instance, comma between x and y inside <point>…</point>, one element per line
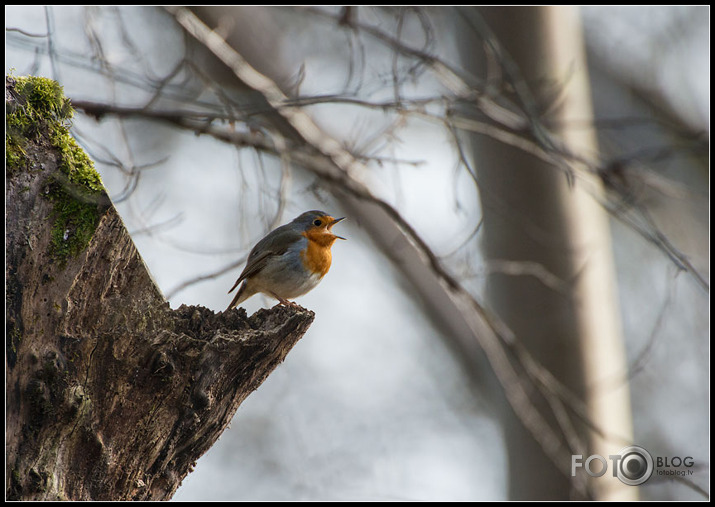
<point>290,261</point>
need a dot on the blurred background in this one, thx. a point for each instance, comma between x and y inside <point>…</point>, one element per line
<point>386,397</point>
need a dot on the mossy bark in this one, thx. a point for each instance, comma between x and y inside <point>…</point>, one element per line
<point>111,395</point>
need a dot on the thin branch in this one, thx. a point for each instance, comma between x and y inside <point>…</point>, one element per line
<point>526,268</point>
<point>205,277</point>
<point>27,34</point>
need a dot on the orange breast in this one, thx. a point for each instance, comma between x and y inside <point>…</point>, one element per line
<point>317,257</point>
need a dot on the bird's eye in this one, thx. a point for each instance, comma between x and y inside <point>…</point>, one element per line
<point>317,222</point>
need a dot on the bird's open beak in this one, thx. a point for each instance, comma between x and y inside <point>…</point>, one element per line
<point>335,221</point>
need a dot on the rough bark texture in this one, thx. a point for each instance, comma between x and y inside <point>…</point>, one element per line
<point>111,395</point>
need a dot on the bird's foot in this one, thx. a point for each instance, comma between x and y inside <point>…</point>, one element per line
<point>285,302</point>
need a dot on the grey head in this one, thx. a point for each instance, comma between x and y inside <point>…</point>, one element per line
<point>316,218</point>
<point>309,216</point>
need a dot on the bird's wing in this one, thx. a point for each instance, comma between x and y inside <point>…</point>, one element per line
<point>276,243</point>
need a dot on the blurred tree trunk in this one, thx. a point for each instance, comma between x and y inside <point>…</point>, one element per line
<point>111,395</point>
<point>533,216</point>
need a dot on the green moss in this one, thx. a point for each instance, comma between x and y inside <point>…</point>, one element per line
<point>74,224</point>
<point>15,155</point>
<point>40,105</point>
<point>15,337</point>
<point>42,112</point>
<point>75,163</point>
<point>44,97</point>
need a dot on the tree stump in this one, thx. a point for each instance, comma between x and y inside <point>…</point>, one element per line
<point>111,395</point>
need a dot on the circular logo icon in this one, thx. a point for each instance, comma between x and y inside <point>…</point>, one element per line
<point>635,466</point>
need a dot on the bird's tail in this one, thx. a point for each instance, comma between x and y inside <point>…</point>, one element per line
<point>240,296</point>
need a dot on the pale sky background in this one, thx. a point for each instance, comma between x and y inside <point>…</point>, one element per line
<point>370,404</point>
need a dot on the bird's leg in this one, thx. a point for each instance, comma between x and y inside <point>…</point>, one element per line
<point>285,302</point>
<point>281,301</point>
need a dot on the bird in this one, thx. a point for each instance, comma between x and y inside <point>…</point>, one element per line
<point>290,260</point>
